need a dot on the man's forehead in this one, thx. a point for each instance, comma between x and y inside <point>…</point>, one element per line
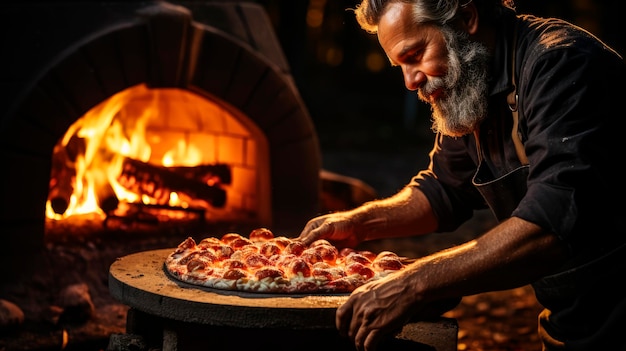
<point>394,22</point>
<point>398,33</point>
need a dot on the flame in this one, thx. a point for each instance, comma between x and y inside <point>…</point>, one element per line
<point>184,155</point>
<point>107,134</point>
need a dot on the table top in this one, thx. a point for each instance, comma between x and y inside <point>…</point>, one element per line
<point>140,281</point>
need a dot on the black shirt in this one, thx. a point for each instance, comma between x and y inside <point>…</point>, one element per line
<point>571,89</point>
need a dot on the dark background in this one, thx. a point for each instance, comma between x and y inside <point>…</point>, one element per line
<point>369,125</point>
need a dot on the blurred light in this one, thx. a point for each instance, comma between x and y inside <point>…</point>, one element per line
<point>375,62</point>
<point>334,56</point>
<point>314,17</point>
<point>65,339</point>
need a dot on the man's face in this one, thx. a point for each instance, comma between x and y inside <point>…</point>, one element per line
<point>448,70</point>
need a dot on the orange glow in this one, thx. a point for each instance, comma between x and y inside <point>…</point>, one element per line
<point>156,127</point>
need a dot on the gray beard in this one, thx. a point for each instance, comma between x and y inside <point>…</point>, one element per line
<point>464,103</point>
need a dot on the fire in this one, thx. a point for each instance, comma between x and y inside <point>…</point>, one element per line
<point>89,159</point>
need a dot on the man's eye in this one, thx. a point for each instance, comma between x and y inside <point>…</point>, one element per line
<point>417,55</point>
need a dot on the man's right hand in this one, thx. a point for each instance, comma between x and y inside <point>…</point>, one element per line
<point>339,228</point>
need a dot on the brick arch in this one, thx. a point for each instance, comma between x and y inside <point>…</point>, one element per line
<point>161,46</point>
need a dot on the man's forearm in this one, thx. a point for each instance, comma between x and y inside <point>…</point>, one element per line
<point>406,213</point>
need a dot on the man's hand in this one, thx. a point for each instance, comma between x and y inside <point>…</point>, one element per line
<point>374,311</point>
<point>339,228</point>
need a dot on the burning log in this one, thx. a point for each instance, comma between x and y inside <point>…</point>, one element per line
<point>105,194</point>
<point>63,173</point>
<point>158,182</point>
<point>140,214</point>
<point>61,180</point>
<point>61,190</point>
<point>209,174</point>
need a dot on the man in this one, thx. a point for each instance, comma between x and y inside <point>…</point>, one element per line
<point>529,121</point>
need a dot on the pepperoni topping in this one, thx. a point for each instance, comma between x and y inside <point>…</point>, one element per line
<point>197,264</point>
<point>183,261</point>
<point>208,255</point>
<point>282,261</point>
<point>321,265</point>
<point>230,264</point>
<point>209,242</point>
<point>222,251</point>
<point>268,249</point>
<point>244,252</point>
<point>188,243</point>
<point>282,241</point>
<point>328,273</point>
<point>261,234</point>
<point>295,248</point>
<point>329,253</point>
<point>239,243</point>
<point>360,269</point>
<point>312,256</point>
<point>204,255</point>
<point>346,251</point>
<point>299,266</point>
<point>323,274</point>
<point>357,257</point>
<point>266,272</point>
<point>234,274</point>
<point>230,237</point>
<point>256,260</point>
<point>369,254</point>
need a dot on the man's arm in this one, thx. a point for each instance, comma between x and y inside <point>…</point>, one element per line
<point>512,254</point>
<point>406,213</point>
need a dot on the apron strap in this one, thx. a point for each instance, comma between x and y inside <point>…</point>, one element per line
<point>512,100</point>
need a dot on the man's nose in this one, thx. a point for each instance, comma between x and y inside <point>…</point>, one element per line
<point>413,78</point>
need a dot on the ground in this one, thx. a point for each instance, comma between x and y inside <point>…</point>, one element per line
<point>505,321</point>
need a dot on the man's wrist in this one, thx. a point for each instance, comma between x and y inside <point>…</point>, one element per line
<point>372,222</point>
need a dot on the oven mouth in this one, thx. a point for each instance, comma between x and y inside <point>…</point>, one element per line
<point>225,53</point>
<point>154,155</point>
<point>260,153</point>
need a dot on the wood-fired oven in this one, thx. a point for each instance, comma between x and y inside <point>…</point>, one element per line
<point>203,80</point>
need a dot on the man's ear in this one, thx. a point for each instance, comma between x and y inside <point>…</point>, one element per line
<point>468,19</point>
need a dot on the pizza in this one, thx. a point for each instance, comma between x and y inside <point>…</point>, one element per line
<point>266,263</point>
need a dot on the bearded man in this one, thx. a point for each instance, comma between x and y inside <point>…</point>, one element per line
<point>528,123</point>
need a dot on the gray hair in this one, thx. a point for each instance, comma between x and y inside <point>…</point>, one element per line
<point>441,12</point>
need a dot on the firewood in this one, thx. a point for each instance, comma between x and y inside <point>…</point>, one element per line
<point>212,174</point>
<point>61,181</point>
<point>105,194</point>
<point>158,182</point>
